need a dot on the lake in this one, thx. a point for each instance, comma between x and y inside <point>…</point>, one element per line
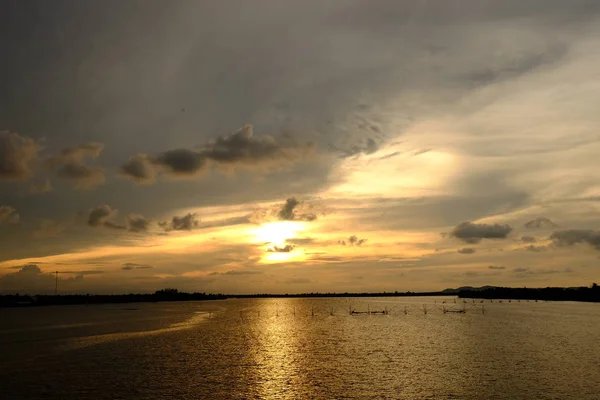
<point>302,349</point>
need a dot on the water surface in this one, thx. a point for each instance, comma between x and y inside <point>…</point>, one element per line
<point>302,349</point>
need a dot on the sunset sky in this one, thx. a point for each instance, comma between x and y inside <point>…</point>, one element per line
<point>298,146</point>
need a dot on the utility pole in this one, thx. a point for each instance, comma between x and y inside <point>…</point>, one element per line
<point>56,285</point>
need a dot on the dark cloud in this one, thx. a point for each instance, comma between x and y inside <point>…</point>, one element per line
<point>352,241</point>
<point>28,277</point>
<point>137,223</point>
<point>139,168</point>
<point>82,176</point>
<point>421,151</point>
<point>84,272</point>
<point>473,233</point>
<point>369,147</point>
<point>309,217</point>
<point>285,249</point>
<point>181,162</point>
<point>301,241</point>
<point>571,237</point>
<point>70,165</point>
<point>114,225</point>
<point>237,272</point>
<point>244,219</point>
<point>529,271</point>
<point>540,223</point>
<point>497,267</point>
<point>16,156</point>
<point>98,215</point>
<point>134,266</point>
<point>186,222</point>
<point>292,210</point>
<point>298,281</point>
<point>394,154</point>
<point>49,228</point>
<point>240,149</point>
<point>31,279</point>
<point>466,250</point>
<point>287,210</point>
<point>245,149</point>
<point>535,249</point>
<point>76,154</point>
<point>41,187</point>
<point>528,239</point>
<point>9,215</point>
<point>101,216</point>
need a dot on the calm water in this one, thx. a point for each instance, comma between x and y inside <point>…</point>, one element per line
<point>276,349</point>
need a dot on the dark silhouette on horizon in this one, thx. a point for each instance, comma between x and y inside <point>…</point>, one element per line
<point>583,293</point>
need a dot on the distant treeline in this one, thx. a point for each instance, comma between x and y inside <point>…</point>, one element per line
<point>591,294</point>
<point>15,300</point>
<point>583,293</point>
<point>346,294</point>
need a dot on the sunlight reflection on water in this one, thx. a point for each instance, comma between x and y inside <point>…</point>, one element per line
<point>92,340</point>
<point>304,349</point>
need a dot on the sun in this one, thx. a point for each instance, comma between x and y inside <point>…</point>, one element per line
<point>276,233</point>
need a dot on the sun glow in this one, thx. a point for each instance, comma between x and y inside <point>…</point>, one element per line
<point>276,233</point>
<point>275,236</point>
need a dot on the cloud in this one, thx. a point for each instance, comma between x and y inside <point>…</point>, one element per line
<point>41,187</point>
<point>181,162</point>
<point>244,149</point>
<point>28,277</point>
<point>82,176</point>
<point>184,223</point>
<point>466,250</point>
<point>297,281</point>
<point>497,267</point>
<point>9,215</point>
<point>352,241</point>
<point>287,210</point>
<point>139,168</point>
<point>70,165</point>
<point>570,237</point>
<point>301,241</point>
<point>292,210</point>
<point>16,155</point>
<point>237,272</point>
<point>529,271</point>
<point>535,249</point>
<point>49,228</point>
<point>137,223</point>
<point>240,149</point>
<point>540,223</point>
<point>369,147</point>
<point>31,279</point>
<point>473,233</point>
<point>285,249</point>
<point>101,216</point>
<point>528,239</point>
<point>134,266</point>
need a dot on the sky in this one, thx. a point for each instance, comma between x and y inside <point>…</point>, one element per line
<point>298,146</point>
